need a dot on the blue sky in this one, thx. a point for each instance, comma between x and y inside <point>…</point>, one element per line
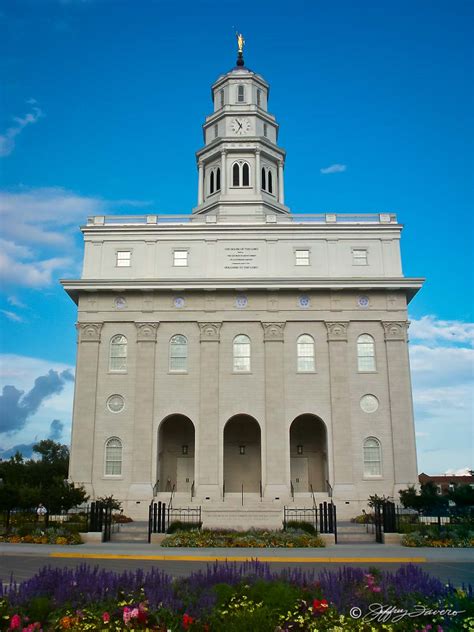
<point>101,112</point>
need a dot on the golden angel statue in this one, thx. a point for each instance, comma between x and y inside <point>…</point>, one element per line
<point>240,42</point>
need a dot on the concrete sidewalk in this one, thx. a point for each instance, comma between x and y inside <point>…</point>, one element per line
<point>330,554</point>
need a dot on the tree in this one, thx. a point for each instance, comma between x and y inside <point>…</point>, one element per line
<point>43,480</point>
<point>110,502</point>
<point>462,496</point>
<point>426,500</point>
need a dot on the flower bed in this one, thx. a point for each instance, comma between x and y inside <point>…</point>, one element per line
<point>231,598</point>
<point>242,539</point>
<point>49,535</point>
<point>418,538</point>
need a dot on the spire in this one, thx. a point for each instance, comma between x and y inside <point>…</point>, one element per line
<point>240,46</point>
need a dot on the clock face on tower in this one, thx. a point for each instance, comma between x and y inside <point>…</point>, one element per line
<point>240,126</point>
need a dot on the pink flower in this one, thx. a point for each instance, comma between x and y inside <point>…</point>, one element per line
<point>15,622</point>
<point>126,615</point>
<point>134,613</point>
<point>106,617</point>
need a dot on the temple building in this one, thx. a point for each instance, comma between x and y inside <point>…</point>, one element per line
<point>241,357</point>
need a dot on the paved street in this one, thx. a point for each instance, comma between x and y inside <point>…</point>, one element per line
<point>22,560</point>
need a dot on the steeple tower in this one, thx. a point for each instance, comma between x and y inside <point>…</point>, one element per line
<point>240,166</point>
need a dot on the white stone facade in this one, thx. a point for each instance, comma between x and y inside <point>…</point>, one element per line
<point>242,351</point>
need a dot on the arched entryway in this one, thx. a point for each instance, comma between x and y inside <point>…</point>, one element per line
<point>242,454</point>
<point>176,454</point>
<point>308,454</point>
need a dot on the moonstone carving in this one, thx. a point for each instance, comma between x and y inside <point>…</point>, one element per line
<point>210,331</point>
<point>146,332</point>
<point>88,332</point>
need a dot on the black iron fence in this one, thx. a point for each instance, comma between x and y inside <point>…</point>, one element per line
<point>323,517</point>
<point>161,516</point>
<point>99,518</point>
<point>391,518</point>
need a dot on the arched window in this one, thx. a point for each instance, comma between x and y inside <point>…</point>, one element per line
<point>366,353</point>
<point>178,353</point>
<point>245,175</point>
<point>264,179</point>
<point>241,174</point>
<point>113,457</point>
<point>118,353</point>
<point>236,175</point>
<point>305,353</point>
<point>372,457</point>
<point>241,93</point>
<point>218,179</point>
<point>211,183</point>
<point>241,354</point>
<point>270,182</point>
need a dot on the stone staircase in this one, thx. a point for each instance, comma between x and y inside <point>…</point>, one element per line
<point>353,533</point>
<point>131,532</point>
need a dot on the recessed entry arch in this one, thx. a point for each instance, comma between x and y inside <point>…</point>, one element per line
<point>242,454</point>
<point>176,443</point>
<point>308,453</point>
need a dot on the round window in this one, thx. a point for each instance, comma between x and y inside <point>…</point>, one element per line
<point>115,403</point>
<point>369,403</point>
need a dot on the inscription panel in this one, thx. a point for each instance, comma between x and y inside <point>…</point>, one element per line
<point>235,258</point>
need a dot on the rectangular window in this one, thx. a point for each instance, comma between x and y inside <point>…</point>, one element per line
<point>265,130</point>
<point>113,463</point>
<point>124,258</point>
<point>216,131</point>
<point>302,257</point>
<point>305,358</point>
<point>259,98</point>
<point>359,257</point>
<point>240,94</point>
<point>366,362</point>
<point>222,98</point>
<point>372,465</point>
<point>180,258</point>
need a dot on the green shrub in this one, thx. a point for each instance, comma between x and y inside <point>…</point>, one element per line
<point>242,539</point>
<point>300,525</point>
<point>177,525</point>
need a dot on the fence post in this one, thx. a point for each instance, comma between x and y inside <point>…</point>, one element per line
<point>150,509</point>
<point>330,518</point>
<point>325,505</point>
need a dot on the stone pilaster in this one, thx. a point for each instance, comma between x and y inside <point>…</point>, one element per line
<point>342,449</point>
<point>208,453</point>
<point>401,405</point>
<point>142,480</point>
<point>84,413</point>
<point>276,475</point>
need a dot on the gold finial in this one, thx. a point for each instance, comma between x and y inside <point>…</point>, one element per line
<point>240,42</point>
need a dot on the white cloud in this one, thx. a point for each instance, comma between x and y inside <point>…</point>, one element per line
<point>430,328</point>
<point>438,366</point>
<point>21,372</point>
<point>7,140</point>
<point>442,367</point>
<point>34,274</point>
<point>40,232</point>
<point>14,302</point>
<point>463,471</point>
<point>336,168</point>
<point>11,315</point>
